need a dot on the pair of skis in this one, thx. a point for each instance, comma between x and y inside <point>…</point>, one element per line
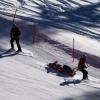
<point>12,52</point>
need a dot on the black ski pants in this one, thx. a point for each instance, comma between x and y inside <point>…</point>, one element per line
<point>17,43</point>
<point>85,73</point>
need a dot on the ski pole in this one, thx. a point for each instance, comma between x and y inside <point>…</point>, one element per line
<point>14,16</point>
<point>73,50</point>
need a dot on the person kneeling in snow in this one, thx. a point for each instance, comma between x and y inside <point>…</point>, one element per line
<point>56,66</point>
<point>82,66</point>
<point>62,68</point>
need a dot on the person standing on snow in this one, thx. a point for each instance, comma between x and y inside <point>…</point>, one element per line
<point>15,36</point>
<point>82,66</point>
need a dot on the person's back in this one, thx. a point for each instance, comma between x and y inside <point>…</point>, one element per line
<point>81,64</point>
<point>15,32</point>
<point>67,68</point>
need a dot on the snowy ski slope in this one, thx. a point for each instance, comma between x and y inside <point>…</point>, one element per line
<point>58,23</point>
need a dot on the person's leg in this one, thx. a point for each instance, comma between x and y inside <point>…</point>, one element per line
<point>11,42</point>
<point>18,45</point>
<point>85,74</point>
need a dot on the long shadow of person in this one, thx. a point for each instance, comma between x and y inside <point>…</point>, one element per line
<point>67,82</point>
<point>7,53</point>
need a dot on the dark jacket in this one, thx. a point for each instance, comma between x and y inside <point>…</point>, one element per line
<point>81,64</point>
<point>15,32</point>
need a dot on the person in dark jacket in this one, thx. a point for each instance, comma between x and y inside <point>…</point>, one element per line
<point>82,66</point>
<point>15,36</point>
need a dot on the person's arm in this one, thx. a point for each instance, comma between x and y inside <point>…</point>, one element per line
<point>87,65</point>
<point>19,32</point>
<point>11,33</point>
